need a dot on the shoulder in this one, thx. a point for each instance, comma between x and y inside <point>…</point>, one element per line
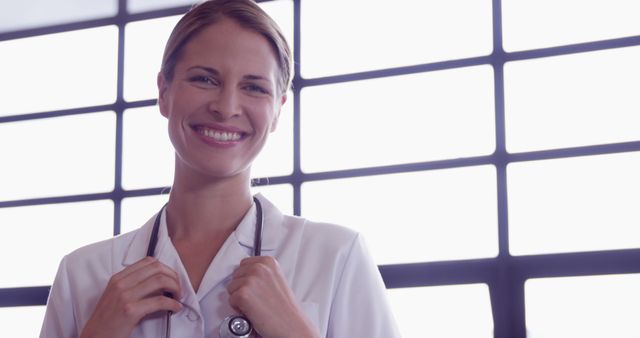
<point>332,237</point>
<point>296,233</point>
<point>99,257</point>
<point>106,257</point>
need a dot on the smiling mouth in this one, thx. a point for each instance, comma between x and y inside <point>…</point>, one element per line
<point>219,135</point>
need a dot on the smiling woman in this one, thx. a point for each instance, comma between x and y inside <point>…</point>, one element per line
<point>224,86</point>
<point>217,261</point>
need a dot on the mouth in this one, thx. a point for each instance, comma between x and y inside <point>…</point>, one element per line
<point>219,135</point>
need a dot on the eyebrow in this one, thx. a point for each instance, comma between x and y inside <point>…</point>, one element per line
<point>214,71</point>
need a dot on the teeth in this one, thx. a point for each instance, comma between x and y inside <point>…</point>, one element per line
<point>222,136</point>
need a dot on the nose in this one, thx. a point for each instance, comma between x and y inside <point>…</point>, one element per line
<point>225,103</point>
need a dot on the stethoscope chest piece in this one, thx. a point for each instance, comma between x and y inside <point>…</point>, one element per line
<point>235,327</point>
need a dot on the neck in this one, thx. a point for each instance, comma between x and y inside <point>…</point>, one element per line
<point>201,208</point>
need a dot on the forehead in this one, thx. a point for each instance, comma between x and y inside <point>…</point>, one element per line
<point>228,45</point>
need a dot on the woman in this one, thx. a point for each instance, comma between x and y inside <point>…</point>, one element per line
<point>215,250</point>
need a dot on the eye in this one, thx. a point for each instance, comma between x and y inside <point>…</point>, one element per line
<point>202,79</point>
<point>254,88</point>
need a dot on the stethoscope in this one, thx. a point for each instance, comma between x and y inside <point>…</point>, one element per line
<point>234,326</point>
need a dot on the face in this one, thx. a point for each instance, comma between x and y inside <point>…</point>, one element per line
<point>223,101</point>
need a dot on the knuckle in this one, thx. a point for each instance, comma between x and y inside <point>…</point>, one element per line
<point>118,285</point>
<point>156,265</point>
<point>242,295</point>
<point>124,296</point>
<point>250,282</point>
<point>130,310</point>
<point>163,280</point>
<point>270,260</point>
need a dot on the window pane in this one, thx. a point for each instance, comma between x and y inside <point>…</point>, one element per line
<point>21,322</point>
<point>455,311</point>
<point>276,158</point>
<point>147,154</point>
<point>364,35</point>
<point>59,71</point>
<point>281,11</point>
<point>136,6</point>
<point>281,195</point>
<point>573,100</point>
<point>57,156</point>
<point>41,235</point>
<point>413,118</point>
<point>586,307</point>
<point>144,45</point>
<point>17,15</point>
<point>136,211</point>
<point>425,216</point>
<point>547,23</point>
<point>574,204</point>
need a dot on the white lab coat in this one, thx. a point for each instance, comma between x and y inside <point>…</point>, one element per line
<point>328,268</point>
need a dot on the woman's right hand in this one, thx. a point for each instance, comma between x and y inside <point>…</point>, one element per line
<point>130,295</point>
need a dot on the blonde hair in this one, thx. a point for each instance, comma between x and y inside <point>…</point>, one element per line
<point>247,14</point>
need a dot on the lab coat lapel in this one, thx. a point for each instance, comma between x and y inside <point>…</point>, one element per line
<point>238,246</point>
<point>138,246</point>
<point>165,253</point>
<point>228,258</point>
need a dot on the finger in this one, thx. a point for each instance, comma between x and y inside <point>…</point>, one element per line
<point>238,283</point>
<point>241,296</point>
<point>260,266</point>
<point>150,305</point>
<point>268,260</point>
<point>140,264</point>
<point>143,272</point>
<point>155,285</point>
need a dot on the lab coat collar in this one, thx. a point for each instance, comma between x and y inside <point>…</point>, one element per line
<point>243,234</point>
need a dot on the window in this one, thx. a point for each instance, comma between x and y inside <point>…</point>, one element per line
<point>496,141</point>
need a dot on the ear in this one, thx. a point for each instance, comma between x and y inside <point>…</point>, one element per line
<point>162,92</point>
<point>274,123</point>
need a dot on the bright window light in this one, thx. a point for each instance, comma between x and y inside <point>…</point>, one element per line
<point>359,35</point>
<point>147,153</point>
<point>136,211</point>
<point>586,307</point>
<point>402,119</point>
<point>414,217</point>
<point>455,311</point>
<point>21,322</point>
<point>136,6</point>
<point>546,23</point>
<point>17,15</point>
<point>57,156</point>
<point>573,100</point>
<point>59,71</point>
<point>575,204</point>
<point>281,11</point>
<point>144,46</point>
<point>277,156</point>
<point>41,235</point>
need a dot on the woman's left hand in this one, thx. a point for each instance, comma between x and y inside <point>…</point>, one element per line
<point>259,291</point>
